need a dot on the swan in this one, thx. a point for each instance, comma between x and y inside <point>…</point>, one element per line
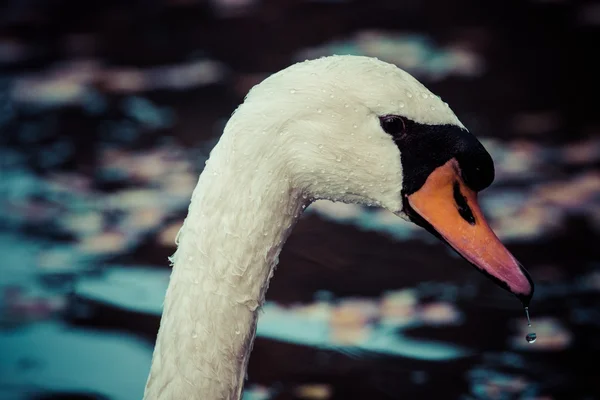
<point>352,129</point>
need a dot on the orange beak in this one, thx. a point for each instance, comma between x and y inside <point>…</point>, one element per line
<point>448,208</point>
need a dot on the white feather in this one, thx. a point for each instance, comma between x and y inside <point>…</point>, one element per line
<point>308,132</point>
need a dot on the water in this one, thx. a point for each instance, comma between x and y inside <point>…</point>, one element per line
<point>531,336</point>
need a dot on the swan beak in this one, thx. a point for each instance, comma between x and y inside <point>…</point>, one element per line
<point>446,207</point>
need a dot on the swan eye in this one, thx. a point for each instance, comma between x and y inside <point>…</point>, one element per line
<point>393,124</point>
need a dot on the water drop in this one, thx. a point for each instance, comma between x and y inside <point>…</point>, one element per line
<point>345,105</point>
<point>401,104</point>
<point>237,331</point>
<point>194,334</point>
<point>332,96</point>
<point>292,91</point>
<point>432,108</point>
<point>196,281</point>
<point>531,336</point>
<point>355,126</point>
<point>408,94</point>
<point>319,110</point>
<point>320,146</point>
<point>190,258</point>
<point>424,95</point>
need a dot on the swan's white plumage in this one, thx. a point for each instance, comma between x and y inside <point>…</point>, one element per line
<point>309,131</point>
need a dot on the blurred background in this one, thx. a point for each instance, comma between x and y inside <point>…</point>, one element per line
<point>108,110</point>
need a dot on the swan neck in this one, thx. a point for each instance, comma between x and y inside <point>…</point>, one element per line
<point>227,250</point>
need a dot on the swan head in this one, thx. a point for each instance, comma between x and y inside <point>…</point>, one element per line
<point>359,130</point>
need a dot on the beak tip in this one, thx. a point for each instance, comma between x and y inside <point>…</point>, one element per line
<point>525,298</point>
<point>527,288</point>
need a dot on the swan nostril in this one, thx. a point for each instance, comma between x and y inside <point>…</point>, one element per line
<point>463,207</point>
